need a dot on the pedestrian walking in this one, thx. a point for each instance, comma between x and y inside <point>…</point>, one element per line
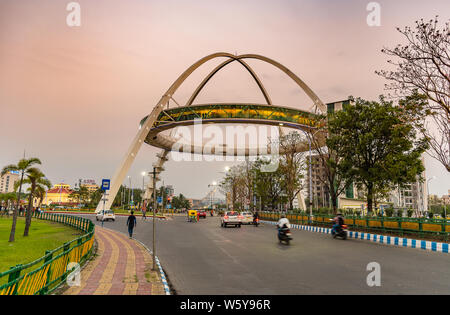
<point>144,211</point>
<point>131,223</point>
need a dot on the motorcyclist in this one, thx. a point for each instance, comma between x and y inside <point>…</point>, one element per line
<point>256,218</point>
<point>338,221</point>
<point>283,223</point>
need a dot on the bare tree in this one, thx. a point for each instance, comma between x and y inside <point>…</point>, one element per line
<point>292,164</point>
<point>423,66</point>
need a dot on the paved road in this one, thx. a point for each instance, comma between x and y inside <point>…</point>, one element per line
<point>202,258</point>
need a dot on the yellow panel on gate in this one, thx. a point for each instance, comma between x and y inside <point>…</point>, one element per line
<point>391,224</point>
<point>348,221</point>
<point>374,223</point>
<point>410,225</point>
<point>431,227</point>
<point>360,222</point>
<point>447,228</point>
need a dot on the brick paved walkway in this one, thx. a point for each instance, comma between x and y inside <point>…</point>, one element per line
<point>122,267</point>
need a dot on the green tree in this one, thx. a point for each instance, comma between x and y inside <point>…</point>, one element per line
<point>80,194</point>
<point>23,166</point>
<point>330,157</point>
<point>34,176</point>
<point>42,185</point>
<point>180,202</point>
<point>379,147</point>
<point>269,185</point>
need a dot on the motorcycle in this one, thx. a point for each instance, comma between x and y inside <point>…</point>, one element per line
<point>341,232</point>
<point>284,235</point>
<point>256,221</point>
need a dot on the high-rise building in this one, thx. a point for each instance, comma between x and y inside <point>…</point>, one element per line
<point>7,182</point>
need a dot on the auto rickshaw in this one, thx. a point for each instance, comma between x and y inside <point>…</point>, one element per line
<point>192,216</point>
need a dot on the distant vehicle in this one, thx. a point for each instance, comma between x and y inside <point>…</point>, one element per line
<point>247,217</point>
<point>105,215</point>
<point>231,218</point>
<point>201,214</point>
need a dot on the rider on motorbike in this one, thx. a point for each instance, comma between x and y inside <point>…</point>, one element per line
<point>255,218</point>
<point>338,221</point>
<point>283,223</point>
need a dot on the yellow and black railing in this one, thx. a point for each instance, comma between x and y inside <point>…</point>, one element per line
<point>45,274</point>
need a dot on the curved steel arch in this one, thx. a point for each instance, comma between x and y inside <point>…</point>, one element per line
<point>128,159</point>
<point>218,68</point>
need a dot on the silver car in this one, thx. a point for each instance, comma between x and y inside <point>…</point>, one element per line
<point>231,218</point>
<point>105,215</point>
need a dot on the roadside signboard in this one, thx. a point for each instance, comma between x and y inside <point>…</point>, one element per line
<point>106,183</point>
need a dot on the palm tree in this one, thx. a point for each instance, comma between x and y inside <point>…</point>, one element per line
<point>42,185</point>
<point>23,166</point>
<point>34,176</point>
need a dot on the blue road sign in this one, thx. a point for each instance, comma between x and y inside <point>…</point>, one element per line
<point>106,183</point>
<point>159,199</point>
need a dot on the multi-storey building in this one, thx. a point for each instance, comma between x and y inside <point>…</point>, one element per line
<point>7,182</point>
<point>412,196</point>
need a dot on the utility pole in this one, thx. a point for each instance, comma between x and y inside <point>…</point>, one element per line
<point>154,216</point>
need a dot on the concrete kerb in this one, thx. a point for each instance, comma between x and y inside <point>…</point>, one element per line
<point>378,238</point>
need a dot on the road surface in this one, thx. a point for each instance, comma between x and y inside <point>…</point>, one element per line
<point>203,258</point>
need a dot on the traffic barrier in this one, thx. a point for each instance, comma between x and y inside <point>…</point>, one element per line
<point>45,274</point>
<point>399,225</point>
<point>382,239</point>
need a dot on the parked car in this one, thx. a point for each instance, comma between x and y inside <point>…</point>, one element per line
<point>201,214</point>
<point>247,217</point>
<point>105,215</point>
<point>231,218</point>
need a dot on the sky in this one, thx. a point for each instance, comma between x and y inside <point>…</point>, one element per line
<point>74,95</point>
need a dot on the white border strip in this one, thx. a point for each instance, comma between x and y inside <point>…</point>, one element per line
<point>161,271</point>
<point>378,238</point>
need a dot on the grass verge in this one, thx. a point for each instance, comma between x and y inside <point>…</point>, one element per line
<point>44,235</point>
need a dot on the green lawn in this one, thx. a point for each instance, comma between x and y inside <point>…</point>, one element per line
<point>44,235</point>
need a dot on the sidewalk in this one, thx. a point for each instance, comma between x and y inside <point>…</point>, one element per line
<point>122,267</point>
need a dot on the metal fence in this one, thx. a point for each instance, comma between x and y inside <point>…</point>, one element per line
<point>398,225</point>
<point>45,274</point>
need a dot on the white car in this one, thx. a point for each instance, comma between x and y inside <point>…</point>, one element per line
<point>247,217</point>
<point>105,215</point>
<point>231,218</point>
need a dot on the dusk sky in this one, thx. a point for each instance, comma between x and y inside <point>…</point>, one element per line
<point>74,96</point>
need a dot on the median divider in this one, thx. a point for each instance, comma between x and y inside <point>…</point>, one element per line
<point>382,239</point>
<point>47,273</point>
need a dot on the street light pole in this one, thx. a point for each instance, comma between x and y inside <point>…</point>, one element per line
<point>428,193</point>
<point>143,189</point>
<point>154,217</point>
<point>129,191</point>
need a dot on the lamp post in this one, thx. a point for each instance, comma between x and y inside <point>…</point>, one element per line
<point>226,170</point>
<point>428,193</point>
<point>212,192</point>
<point>310,171</point>
<point>129,191</point>
<point>143,188</point>
<point>154,215</point>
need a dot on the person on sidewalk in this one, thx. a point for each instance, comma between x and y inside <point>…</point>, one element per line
<point>131,223</point>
